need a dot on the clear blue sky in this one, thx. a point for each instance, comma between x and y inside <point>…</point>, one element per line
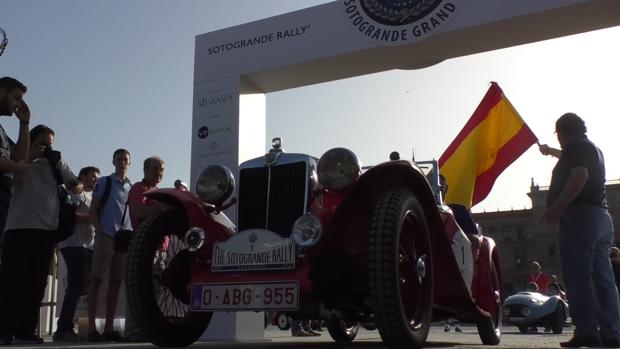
<point>109,74</point>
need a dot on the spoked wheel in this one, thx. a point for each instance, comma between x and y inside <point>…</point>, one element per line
<point>400,270</point>
<point>490,330</point>
<point>158,272</point>
<point>342,331</point>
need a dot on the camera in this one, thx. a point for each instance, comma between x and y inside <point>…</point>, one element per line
<point>53,156</point>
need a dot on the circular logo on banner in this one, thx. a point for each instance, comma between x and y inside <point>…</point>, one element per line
<point>398,22</point>
<point>203,132</point>
<point>398,12</point>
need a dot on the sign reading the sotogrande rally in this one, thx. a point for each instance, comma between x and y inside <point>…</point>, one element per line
<point>253,249</point>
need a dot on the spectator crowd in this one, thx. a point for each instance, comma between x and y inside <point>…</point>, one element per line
<point>35,181</point>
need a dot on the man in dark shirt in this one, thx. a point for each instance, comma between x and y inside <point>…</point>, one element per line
<point>576,200</point>
<point>12,155</point>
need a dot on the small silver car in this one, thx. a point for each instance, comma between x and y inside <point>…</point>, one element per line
<point>526,309</point>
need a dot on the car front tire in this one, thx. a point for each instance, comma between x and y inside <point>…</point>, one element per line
<point>557,319</point>
<point>400,270</point>
<point>157,279</point>
<point>342,331</point>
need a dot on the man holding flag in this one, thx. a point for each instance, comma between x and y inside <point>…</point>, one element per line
<point>492,139</point>
<point>577,201</point>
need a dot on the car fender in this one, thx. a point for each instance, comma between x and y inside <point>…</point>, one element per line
<point>350,226</point>
<point>483,282</point>
<point>550,306</point>
<point>351,221</point>
<point>216,224</point>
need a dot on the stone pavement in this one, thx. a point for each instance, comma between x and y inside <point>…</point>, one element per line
<point>276,339</point>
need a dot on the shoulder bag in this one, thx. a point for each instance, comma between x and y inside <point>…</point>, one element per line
<point>66,212</point>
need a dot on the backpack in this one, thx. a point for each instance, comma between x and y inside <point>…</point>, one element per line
<point>105,196</point>
<point>67,209</point>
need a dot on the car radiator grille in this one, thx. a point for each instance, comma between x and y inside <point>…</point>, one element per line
<point>273,197</point>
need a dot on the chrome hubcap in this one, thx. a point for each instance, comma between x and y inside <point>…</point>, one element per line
<point>420,268</point>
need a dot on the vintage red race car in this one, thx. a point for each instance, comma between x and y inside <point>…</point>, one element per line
<point>315,239</point>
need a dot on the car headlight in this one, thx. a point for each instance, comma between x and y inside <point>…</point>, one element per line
<point>338,168</point>
<point>215,184</point>
<point>506,312</point>
<point>195,238</point>
<point>525,311</point>
<point>307,230</point>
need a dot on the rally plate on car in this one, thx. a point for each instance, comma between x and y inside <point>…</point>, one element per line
<point>253,249</point>
<point>245,296</point>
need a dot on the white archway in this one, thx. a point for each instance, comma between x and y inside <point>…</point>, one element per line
<point>235,67</point>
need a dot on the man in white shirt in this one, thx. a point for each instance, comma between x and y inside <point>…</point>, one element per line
<point>77,252</point>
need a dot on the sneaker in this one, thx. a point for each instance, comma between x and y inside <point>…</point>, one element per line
<point>28,339</point>
<point>95,337</point>
<point>314,333</point>
<point>457,329</point>
<point>302,333</point>
<point>66,336</point>
<point>113,336</point>
<point>446,328</point>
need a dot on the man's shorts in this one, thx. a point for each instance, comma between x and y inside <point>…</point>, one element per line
<point>102,259</point>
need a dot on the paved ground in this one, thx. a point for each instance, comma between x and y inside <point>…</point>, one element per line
<point>276,339</point>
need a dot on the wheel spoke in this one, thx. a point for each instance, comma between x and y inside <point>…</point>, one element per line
<point>171,307</point>
<point>412,268</point>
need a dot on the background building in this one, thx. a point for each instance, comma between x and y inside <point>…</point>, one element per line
<point>521,238</point>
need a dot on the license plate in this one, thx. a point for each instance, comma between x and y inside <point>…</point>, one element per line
<point>515,319</point>
<point>264,296</point>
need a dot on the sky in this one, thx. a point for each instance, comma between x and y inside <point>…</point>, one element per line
<point>118,73</point>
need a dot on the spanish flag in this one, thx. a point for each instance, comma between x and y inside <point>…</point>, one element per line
<point>492,139</point>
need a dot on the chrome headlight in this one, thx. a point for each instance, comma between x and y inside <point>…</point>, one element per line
<point>338,168</point>
<point>525,311</point>
<point>215,184</point>
<point>307,230</point>
<point>195,238</point>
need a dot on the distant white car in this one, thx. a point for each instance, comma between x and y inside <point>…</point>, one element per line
<point>526,309</point>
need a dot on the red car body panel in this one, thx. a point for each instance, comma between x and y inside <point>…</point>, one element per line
<point>217,226</point>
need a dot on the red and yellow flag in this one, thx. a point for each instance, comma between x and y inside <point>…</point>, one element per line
<point>492,139</point>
